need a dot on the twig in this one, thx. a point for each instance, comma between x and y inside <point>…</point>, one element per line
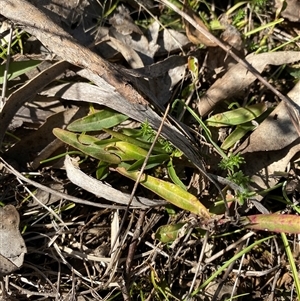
<point>4,86</point>
<point>134,242</point>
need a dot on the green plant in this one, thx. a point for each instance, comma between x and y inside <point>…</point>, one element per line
<point>125,152</point>
<point>231,164</point>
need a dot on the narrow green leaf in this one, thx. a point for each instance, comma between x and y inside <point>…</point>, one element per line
<point>92,150</point>
<point>153,161</point>
<point>88,139</point>
<point>18,68</point>
<point>95,122</point>
<point>240,131</point>
<point>291,259</point>
<point>173,175</point>
<point>170,192</point>
<point>102,170</point>
<point>237,116</point>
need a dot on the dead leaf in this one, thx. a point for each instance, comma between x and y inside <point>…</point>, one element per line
<point>238,78</point>
<point>290,9</point>
<point>194,35</point>
<point>122,21</point>
<point>272,145</point>
<point>128,53</point>
<point>145,45</point>
<point>170,41</point>
<point>276,131</point>
<point>12,247</point>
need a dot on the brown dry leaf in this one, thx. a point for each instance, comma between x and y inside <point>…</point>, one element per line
<point>165,74</point>
<point>238,78</point>
<point>123,23</point>
<point>276,131</point>
<point>145,45</point>
<point>128,53</point>
<point>194,35</point>
<point>272,145</point>
<point>290,9</point>
<point>170,41</point>
<point>12,246</point>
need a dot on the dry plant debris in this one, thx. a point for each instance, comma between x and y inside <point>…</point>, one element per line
<point>114,121</point>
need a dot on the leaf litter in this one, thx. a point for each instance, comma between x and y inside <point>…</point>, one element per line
<point>92,244</point>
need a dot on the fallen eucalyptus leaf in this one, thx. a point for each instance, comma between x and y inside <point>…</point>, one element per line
<point>289,9</point>
<point>12,246</point>
<point>238,77</point>
<point>271,146</point>
<point>123,22</point>
<point>194,35</point>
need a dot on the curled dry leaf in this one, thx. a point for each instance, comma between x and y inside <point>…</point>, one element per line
<point>12,247</point>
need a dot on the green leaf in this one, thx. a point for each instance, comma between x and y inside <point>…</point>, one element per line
<point>173,175</point>
<point>137,142</point>
<point>92,150</point>
<point>168,233</point>
<point>102,170</point>
<point>240,131</point>
<point>170,192</point>
<point>88,139</point>
<point>97,121</point>
<point>153,161</point>
<point>127,151</point>
<point>237,116</point>
<point>18,68</point>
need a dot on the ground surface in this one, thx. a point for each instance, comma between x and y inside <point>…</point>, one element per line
<point>175,240</point>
